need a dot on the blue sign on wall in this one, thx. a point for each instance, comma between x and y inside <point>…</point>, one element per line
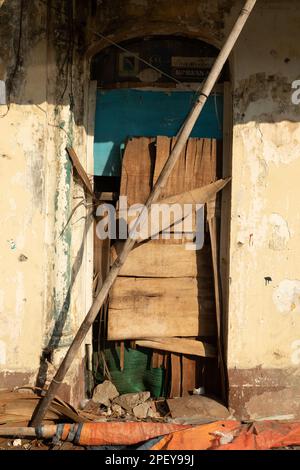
<point>125,113</point>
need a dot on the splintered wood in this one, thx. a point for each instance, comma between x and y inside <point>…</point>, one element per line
<point>164,290</point>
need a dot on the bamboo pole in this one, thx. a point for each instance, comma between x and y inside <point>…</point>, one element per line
<point>45,432</point>
<point>154,195</point>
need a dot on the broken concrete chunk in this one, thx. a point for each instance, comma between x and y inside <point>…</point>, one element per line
<point>141,411</point>
<point>117,410</point>
<point>130,400</point>
<point>153,414</point>
<point>92,407</point>
<point>104,393</point>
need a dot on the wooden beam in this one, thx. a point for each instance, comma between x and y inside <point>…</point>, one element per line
<point>80,170</point>
<point>212,221</point>
<point>179,345</point>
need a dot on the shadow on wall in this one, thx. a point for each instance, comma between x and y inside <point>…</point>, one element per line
<point>62,317</point>
<point>44,46</point>
<point>42,52</point>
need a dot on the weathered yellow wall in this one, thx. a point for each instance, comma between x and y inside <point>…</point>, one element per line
<point>22,215</point>
<point>264,321</point>
<point>46,277</point>
<point>265,191</point>
<point>22,253</point>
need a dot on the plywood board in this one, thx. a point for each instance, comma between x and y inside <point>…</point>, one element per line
<point>137,170</point>
<point>159,260</point>
<point>175,376</point>
<point>160,307</point>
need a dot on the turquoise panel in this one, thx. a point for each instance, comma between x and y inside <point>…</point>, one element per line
<point>121,114</point>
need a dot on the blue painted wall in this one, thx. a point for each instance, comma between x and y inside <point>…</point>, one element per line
<point>121,114</point>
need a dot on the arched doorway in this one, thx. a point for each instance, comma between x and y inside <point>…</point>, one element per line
<point>145,88</point>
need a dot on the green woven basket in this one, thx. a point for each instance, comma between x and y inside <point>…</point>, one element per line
<point>137,376</point>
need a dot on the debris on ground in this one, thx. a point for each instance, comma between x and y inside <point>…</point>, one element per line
<point>18,405</point>
<point>129,406</point>
<point>129,400</point>
<point>141,410</point>
<point>117,410</point>
<point>135,420</point>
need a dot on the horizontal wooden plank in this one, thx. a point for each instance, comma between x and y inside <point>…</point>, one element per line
<point>160,307</point>
<point>161,260</point>
<point>179,345</point>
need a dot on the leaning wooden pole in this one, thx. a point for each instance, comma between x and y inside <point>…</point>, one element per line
<point>154,195</point>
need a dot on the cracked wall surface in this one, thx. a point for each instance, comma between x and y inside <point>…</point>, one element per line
<point>264,321</point>
<point>42,283</point>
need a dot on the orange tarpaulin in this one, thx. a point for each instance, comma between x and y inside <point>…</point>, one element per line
<point>265,435</point>
<point>219,435</point>
<point>233,435</point>
<point>115,433</point>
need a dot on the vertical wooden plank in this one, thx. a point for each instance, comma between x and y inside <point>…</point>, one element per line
<point>211,206</point>
<point>101,259</point>
<point>176,182</point>
<point>122,355</point>
<point>226,207</point>
<point>202,162</point>
<point>175,375</point>
<point>189,370</point>
<point>158,359</point>
<point>154,360</point>
<point>163,147</point>
<point>195,167</point>
<point>137,170</point>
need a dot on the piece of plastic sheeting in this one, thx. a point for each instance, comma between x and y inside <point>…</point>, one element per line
<point>233,435</point>
<point>197,438</point>
<point>265,435</point>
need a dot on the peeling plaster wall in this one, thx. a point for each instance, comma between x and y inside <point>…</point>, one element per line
<point>264,321</point>
<point>45,267</point>
<point>22,203</point>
